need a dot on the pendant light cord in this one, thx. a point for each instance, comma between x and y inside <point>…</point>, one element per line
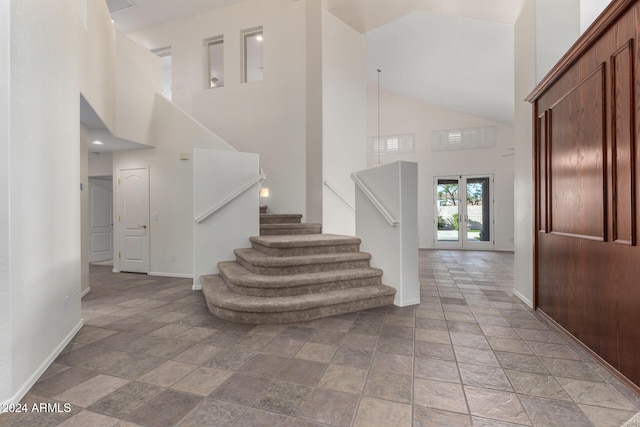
<point>378,145</point>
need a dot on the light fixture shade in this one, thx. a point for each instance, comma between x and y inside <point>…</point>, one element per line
<point>264,192</point>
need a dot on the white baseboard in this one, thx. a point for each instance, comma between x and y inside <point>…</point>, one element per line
<point>197,286</point>
<point>523,299</point>
<point>22,391</point>
<point>177,275</point>
<point>86,291</point>
<point>407,303</point>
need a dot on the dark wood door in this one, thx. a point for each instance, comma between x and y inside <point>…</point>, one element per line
<point>586,180</point>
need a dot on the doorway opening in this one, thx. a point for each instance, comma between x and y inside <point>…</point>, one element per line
<point>464,212</point>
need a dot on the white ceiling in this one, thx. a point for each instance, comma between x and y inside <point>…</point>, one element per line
<point>454,53</point>
<point>457,63</point>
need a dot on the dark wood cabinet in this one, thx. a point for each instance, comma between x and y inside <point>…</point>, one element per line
<point>586,157</point>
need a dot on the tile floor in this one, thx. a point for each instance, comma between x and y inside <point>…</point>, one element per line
<point>150,354</point>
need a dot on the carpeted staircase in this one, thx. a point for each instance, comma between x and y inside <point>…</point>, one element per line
<point>293,273</point>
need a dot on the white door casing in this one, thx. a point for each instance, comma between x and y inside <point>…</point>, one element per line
<point>133,220</point>
<point>100,219</point>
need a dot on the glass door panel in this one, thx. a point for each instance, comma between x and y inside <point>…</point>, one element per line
<point>478,210</point>
<point>448,205</point>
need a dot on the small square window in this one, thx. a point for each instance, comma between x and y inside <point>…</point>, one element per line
<point>214,60</point>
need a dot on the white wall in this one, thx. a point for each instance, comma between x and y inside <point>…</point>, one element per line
<point>313,105</point>
<point>84,210</point>
<point>138,79</point>
<point>266,117</point>
<point>44,201</point>
<point>98,59</point>
<point>170,184</point>
<point>6,353</point>
<point>344,115</point>
<point>400,115</point>
<point>100,164</point>
<point>557,28</point>
<point>589,11</point>
<point>525,80</point>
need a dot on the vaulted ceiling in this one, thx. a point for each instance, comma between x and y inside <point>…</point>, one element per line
<point>454,53</point>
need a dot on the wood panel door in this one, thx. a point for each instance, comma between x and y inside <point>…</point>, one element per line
<point>586,179</point>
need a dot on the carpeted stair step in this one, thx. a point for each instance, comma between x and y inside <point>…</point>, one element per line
<point>234,307</point>
<point>305,244</point>
<point>290,228</point>
<point>259,263</point>
<point>280,218</point>
<point>242,281</point>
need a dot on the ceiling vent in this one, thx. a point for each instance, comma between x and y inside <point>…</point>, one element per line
<point>116,6</point>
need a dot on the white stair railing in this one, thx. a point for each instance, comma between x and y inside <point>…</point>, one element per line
<point>230,198</point>
<point>374,200</point>
<point>340,195</point>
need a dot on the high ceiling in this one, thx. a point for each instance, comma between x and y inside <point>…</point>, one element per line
<point>454,53</point>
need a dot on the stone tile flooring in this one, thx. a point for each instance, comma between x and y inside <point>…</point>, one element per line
<point>150,354</point>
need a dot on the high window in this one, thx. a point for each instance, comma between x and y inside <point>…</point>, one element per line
<point>214,61</point>
<point>252,44</point>
<point>165,56</point>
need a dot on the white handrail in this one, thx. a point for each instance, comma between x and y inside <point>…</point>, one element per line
<point>226,201</point>
<point>340,195</point>
<point>374,200</point>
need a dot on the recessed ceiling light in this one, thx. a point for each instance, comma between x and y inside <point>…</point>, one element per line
<point>96,142</point>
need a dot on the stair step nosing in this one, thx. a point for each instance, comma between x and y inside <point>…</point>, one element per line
<point>290,225</point>
<point>239,275</point>
<point>303,241</point>
<point>289,303</point>
<point>258,259</point>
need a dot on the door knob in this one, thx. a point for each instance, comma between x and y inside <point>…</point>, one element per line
<point>143,226</point>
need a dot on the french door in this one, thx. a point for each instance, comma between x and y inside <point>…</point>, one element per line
<point>463,212</point>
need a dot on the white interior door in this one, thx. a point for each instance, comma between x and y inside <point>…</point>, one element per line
<point>100,219</point>
<point>463,212</point>
<point>133,220</point>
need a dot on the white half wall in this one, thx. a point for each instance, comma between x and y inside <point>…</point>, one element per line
<point>387,223</point>
<point>218,176</point>
<point>401,115</point>
<point>344,116</point>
